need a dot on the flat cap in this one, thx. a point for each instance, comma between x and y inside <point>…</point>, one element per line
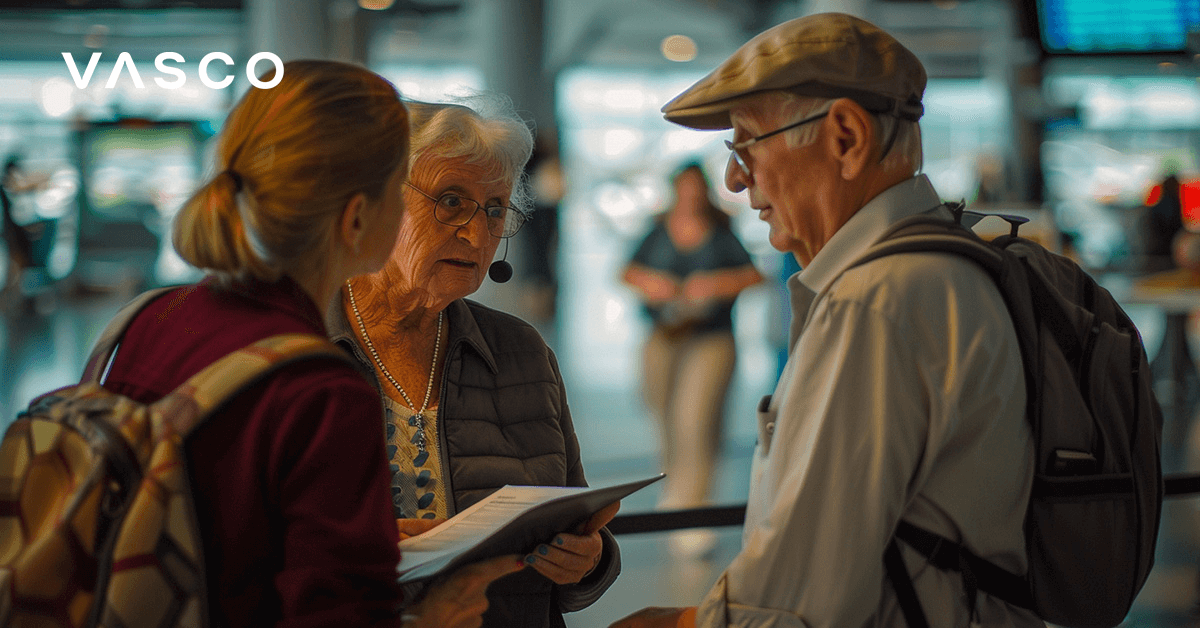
<point>826,55</point>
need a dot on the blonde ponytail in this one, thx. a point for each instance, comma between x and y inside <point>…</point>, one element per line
<point>210,233</point>
<point>293,156</point>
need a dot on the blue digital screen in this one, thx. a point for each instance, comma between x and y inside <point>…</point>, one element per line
<point>1116,26</point>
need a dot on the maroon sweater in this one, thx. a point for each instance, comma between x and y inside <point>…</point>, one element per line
<point>291,482</point>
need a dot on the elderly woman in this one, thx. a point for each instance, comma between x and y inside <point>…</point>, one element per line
<point>473,397</point>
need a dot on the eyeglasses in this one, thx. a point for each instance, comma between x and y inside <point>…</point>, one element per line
<point>457,210</point>
<point>740,158</point>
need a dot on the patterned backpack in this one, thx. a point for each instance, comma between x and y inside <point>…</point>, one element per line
<point>97,522</point>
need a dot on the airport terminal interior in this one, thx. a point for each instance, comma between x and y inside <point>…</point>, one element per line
<point>1068,112</point>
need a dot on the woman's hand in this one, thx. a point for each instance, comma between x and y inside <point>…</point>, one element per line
<point>412,527</point>
<point>654,617</point>
<point>567,558</point>
<point>719,285</point>
<point>460,600</point>
<point>656,287</point>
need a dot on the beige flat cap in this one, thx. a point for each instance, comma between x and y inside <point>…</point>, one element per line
<point>827,55</point>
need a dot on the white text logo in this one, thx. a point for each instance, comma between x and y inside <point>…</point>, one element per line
<point>125,61</point>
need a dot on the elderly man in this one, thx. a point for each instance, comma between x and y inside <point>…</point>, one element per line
<point>903,397</point>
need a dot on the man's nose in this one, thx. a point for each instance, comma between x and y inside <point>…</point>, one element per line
<point>735,178</point>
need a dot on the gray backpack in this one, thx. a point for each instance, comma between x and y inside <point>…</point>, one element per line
<point>1093,517</point>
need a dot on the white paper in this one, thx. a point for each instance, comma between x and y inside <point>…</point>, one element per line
<point>477,522</point>
<point>511,520</point>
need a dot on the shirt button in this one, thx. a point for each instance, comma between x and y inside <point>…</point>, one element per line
<point>771,428</point>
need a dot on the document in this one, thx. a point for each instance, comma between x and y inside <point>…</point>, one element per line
<point>512,520</point>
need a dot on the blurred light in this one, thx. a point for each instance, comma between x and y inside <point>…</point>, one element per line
<point>679,48</point>
<point>620,141</point>
<point>615,200</point>
<point>687,140</point>
<point>1166,66</point>
<point>57,97</point>
<point>629,99</point>
<point>613,309</point>
<point>95,36</point>
<point>411,89</point>
<point>946,5</point>
<point>376,5</point>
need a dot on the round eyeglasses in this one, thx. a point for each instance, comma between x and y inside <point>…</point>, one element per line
<point>457,210</point>
<point>738,148</point>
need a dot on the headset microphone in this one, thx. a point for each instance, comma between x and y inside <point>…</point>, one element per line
<point>501,271</point>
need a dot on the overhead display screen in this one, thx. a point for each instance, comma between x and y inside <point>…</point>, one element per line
<point>1116,26</point>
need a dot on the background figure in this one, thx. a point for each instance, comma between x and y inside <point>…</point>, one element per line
<point>16,239</point>
<point>541,251</point>
<point>1163,221</point>
<point>688,271</point>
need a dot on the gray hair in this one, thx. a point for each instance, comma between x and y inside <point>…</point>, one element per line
<point>482,127</point>
<point>906,150</point>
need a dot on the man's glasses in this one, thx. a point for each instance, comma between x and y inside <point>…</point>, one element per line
<point>737,149</point>
<point>457,210</point>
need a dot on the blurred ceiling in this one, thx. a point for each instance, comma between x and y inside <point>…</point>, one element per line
<point>954,38</point>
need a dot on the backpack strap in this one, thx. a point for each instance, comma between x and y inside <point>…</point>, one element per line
<point>978,573</point>
<point>906,595</point>
<point>187,406</point>
<point>107,343</point>
<point>924,233</point>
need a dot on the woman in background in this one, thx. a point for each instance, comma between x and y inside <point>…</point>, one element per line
<point>688,271</point>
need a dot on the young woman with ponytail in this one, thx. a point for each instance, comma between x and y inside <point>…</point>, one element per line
<point>291,483</point>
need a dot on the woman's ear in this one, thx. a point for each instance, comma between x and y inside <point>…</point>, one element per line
<point>353,224</point>
<point>852,137</point>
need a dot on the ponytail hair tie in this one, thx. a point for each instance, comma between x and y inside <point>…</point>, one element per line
<point>237,179</point>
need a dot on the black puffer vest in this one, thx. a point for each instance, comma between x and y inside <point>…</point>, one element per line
<point>503,419</point>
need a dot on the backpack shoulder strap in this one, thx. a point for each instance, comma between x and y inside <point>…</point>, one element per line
<point>930,234</point>
<point>187,406</point>
<point>980,573</point>
<point>107,343</point>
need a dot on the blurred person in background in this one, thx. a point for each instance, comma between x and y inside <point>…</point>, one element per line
<point>1163,222</point>
<point>289,479</point>
<point>688,271</point>
<point>473,397</point>
<point>16,240</point>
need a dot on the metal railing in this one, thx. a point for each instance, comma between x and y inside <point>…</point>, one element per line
<point>1175,486</point>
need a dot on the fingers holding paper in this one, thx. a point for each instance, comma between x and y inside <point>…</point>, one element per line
<point>460,600</point>
<point>414,527</point>
<point>568,558</point>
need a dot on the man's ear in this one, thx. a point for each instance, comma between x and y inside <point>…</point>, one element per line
<point>852,137</point>
<point>353,223</point>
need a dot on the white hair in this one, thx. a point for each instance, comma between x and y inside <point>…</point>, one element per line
<point>482,127</point>
<point>783,107</point>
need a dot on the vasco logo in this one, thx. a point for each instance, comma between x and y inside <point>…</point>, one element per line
<point>124,60</point>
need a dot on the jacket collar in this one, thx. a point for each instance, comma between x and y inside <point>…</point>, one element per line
<point>463,329</point>
<point>864,228</point>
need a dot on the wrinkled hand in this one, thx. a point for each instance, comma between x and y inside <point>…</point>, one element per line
<point>460,600</point>
<point>655,617</point>
<point>413,527</point>
<point>567,558</point>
